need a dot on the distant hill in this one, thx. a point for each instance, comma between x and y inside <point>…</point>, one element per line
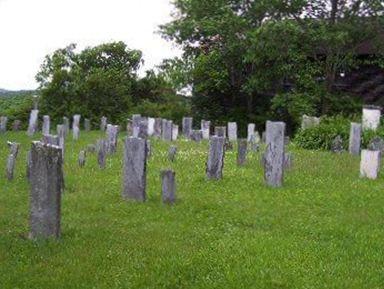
<point>10,93</point>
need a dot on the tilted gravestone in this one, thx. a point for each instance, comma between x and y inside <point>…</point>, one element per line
<point>168,186</point>
<point>46,179</point>
<point>157,127</point>
<point>13,148</point>
<point>166,129</point>
<point>103,123</point>
<point>134,171</point>
<point>232,131</point>
<point>337,145</point>
<point>46,124</point>
<point>220,131</point>
<point>16,126</point>
<point>242,151</point>
<point>3,124</point>
<point>33,122</point>
<point>187,126</point>
<point>274,155</point>
<point>102,150</point>
<point>250,131</point>
<point>87,125</point>
<point>82,158</point>
<point>205,128</point>
<point>370,164</point>
<point>215,162</point>
<point>355,139</point>
<point>175,132</point>
<point>112,136</point>
<point>371,117</point>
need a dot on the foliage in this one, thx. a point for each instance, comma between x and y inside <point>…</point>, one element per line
<point>17,106</point>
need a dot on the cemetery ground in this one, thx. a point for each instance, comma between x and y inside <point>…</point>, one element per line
<point>323,229</point>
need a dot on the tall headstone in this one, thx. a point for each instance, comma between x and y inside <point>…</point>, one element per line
<point>151,126</point>
<point>157,127</point>
<point>215,162</point>
<point>13,148</point>
<point>76,126</point>
<point>205,128</point>
<point>46,124</point>
<point>33,122</point>
<point>60,128</point>
<point>251,131</point>
<point>112,135</point>
<point>168,186</point>
<point>232,131</point>
<point>355,139</point>
<point>309,121</point>
<point>220,131</point>
<point>371,117</point>
<point>46,179</point>
<point>102,149</point>
<point>370,164</point>
<point>242,151</point>
<point>136,119</point>
<point>3,124</point>
<point>167,127</point>
<point>134,172</point>
<point>11,161</point>
<point>274,154</point>
<point>175,132</point>
<point>103,123</point>
<point>187,126</point>
<point>66,125</point>
<point>87,125</point>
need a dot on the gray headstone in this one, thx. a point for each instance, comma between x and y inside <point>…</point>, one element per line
<point>102,149</point>
<point>112,135</point>
<point>274,154</point>
<point>82,158</point>
<point>220,131</point>
<point>232,131</point>
<point>46,178</point>
<point>337,145</point>
<point>13,148</point>
<point>87,125</point>
<point>103,123</point>
<point>151,126</point>
<point>33,122</point>
<point>215,161</point>
<point>196,135</point>
<point>376,144</point>
<point>76,132</point>
<point>172,151</point>
<point>46,125</point>
<point>143,128</point>
<point>10,166</point>
<point>175,132</point>
<point>371,117</point>
<point>3,124</point>
<point>370,164</point>
<point>60,128</point>
<point>166,129</point>
<point>66,125</point>
<point>51,140</point>
<point>76,126</point>
<point>134,172</point>
<point>187,126</point>
<point>16,126</point>
<point>136,119</point>
<point>355,139</point>
<point>254,143</point>
<point>157,127</point>
<point>242,152</point>
<point>205,128</point>
<point>251,131</point>
<point>168,186</point>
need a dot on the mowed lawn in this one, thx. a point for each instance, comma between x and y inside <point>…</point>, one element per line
<point>323,229</point>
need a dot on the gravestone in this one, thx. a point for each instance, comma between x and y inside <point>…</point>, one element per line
<point>112,136</point>
<point>60,129</point>
<point>274,154</point>
<point>167,127</point>
<point>215,162</point>
<point>129,128</point>
<point>196,135</point>
<point>13,148</point>
<point>168,186</point>
<point>151,126</point>
<point>175,132</point>
<point>51,140</point>
<point>76,132</point>
<point>371,117</point>
<point>66,126</point>
<point>46,124</point>
<point>46,179</point>
<point>187,126</point>
<point>370,164</point>
<point>103,123</point>
<point>205,128</point>
<point>250,131</point>
<point>172,151</point>
<point>16,126</point>
<point>309,121</point>
<point>87,125</point>
<point>242,151</point>
<point>102,149</point>
<point>337,145</point>
<point>3,124</point>
<point>10,166</point>
<point>232,131</point>
<point>134,172</point>
<point>376,144</point>
<point>355,139</point>
<point>157,127</point>
<point>82,158</point>
<point>257,139</point>
<point>143,128</point>
<point>136,119</point>
<point>220,131</point>
<point>76,126</point>
<point>254,144</point>
<point>33,122</point>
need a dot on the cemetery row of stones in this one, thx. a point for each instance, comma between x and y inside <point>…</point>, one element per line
<point>45,160</point>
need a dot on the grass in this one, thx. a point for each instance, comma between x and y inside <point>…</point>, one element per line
<point>323,229</point>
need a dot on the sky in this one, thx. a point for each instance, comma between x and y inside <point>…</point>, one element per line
<point>31,29</point>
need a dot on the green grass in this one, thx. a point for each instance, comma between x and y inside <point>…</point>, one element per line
<point>323,229</point>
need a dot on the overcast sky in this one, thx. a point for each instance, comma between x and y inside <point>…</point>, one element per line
<point>31,29</point>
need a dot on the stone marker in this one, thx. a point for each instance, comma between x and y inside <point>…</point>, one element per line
<point>168,186</point>
<point>157,127</point>
<point>250,131</point>
<point>3,124</point>
<point>355,139</point>
<point>337,145</point>
<point>371,117</point>
<point>82,158</point>
<point>112,136</point>
<point>232,131</point>
<point>166,129</point>
<point>175,132</point>
<point>143,128</point>
<point>309,121</point>
<point>103,123</point>
<point>60,129</point>
<point>274,154</point>
<point>76,126</point>
<point>220,131</point>
<point>136,119</point>
<point>288,159</point>
<point>66,125</point>
<point>205,128</point>
<point>16,126</point>
<point>33,122</point>
<point>46,125</point>
<point>87,125</point>
<point>370,164</point>
<point>51,140</point>
<point>254,144</point>
<point>151,126</point>
<point>46,178</point>
<point>215,161</point>
<point>10,166</point>
<point>376,144</point>
<point>13,148</point>
<point>134,172</point>
<point>242,151</point>
<point>102,149</point>
<point>187,126</point>
<point>196,135</point>
<point>172,151</point>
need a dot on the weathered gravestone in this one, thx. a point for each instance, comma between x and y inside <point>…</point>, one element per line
<point>143,128</point>
<point>355,139</point>
<point>172,151</point>
<point>232,131</point>
<point>76,126</point>
<point>46,124</point>
<point>254,144</point>
<point>370,164</point>
<point>112,135</point>
<point>11,161</point>
<point>187,126</point>
<point>87,125</point>
<point>196,135</point>
<point>376,144</point>
<point>274,154</point>
<point>309,121</point>
<point>134,172</point>
<point>60,129</point>
<point>102,150</point>
<point>82,158</point>
<point>168,186</point>
<point>13,148</point>
<point>205,128</point>
<point>220,131</point>
<point>175,132</point>
<point>167,127</point>
<point>3,124</point>
<point>371,117</point>
<point>66,125</point>
<point>250,131</point>
<point>215,162</point>
<point>16,126</point>
<point>103,123</point>
<point>51,140</point>
<point>337,145</point>
<point>151,126</point>
<point>33,122</point>
<point>157,127</point>
<point>136,119</point>
<point>46,180</point>
<point>242,151</point>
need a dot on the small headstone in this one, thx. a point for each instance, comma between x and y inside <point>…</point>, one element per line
<point>370,164</point>
<point>205,128</point>
<point>337,145</point>
<point>103,123</point>
<point>251,131</point>
<point>220,131</point>
<point>3,124</point>
<point>355,139</point>
<point>82,158</point>
<point>376,144</point>
<point>172,151</point>
<point>166,129</point>
<point>309,121</point>
<point>33,122</point>
<point>10,166</point>
<point>371,117</point>
<point>187,126</point>
<point>157,127</point>
<point>87,125</point>
<point>13,148</point>
<point>151,126</point>
<point>46,124</point>
<point>46,178</point>
<point>102,149</point>
<point>168,186</point>
<point>232,131</point>
<point>76,132</point>
<point>254,144</point>
<point>134,172</point>
<point>215,161</point>
<point>196,135</point>
<point>242,152</point>
<point>112,135</point>
<point>16,126</point>
<point>175,132</point>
